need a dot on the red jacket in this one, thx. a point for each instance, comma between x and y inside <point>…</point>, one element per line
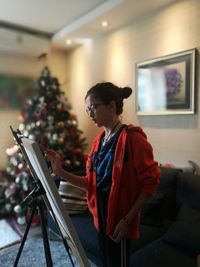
<point>134,171</point>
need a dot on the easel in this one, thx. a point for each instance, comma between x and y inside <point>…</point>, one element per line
<point>37,197</point>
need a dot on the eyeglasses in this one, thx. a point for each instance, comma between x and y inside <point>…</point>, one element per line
<point>93,108</point>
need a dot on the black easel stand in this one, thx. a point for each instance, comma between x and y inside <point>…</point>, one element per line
<point>37,197</point>
<point>36,202</point>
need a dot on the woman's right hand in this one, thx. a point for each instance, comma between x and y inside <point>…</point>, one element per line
<point>56,161</point>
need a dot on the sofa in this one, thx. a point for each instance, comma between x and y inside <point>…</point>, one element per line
<point>170,225</point>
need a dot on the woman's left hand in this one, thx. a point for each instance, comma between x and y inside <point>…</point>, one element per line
<point>121,230</point>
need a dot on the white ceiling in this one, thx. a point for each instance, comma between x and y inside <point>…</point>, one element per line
<point>30,27</point>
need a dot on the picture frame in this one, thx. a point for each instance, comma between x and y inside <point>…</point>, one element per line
<point>15,90</point>
<point>166,85</point>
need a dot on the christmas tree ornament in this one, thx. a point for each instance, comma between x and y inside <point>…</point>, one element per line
<point>12,150</point>
<point>21,127</point>
<point>61,140</point>
<point>8,207</point>
<point>41,99</point>
<point>38,123</point>
<point>50,119</point>
<point>29,102</point>
<point>42,82</point>
<point>59,106</point>
<point>17,179</point>
<point>14,161</point>
<point>31,136</point>
<point>67,162</point>
<point>55,137</point>
<point>25,133</point>
<point>21,220</point>
<point>77,163</point>
<point>74,122</point>
<point>10,190</point>
<point>61,124</point>
<point>18,209</point>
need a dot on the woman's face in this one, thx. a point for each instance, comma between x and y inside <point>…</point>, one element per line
<point>98,112</point>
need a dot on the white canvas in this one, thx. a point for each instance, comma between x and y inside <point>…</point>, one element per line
<point>53,199</point>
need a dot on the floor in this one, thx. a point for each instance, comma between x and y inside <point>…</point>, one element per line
<point>33,231</point>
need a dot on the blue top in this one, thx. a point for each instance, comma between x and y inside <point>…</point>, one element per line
<point>104,165</point>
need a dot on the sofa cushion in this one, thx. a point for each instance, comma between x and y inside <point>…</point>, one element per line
<point>161,206</point>
<point>147,234</point>
<point>188,188</point>
<point>161,254</point>
<point>184,232</point>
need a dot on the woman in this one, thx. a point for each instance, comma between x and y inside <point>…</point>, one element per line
<point>121,173</point>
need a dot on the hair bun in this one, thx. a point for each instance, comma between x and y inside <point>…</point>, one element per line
<point>126,92</point>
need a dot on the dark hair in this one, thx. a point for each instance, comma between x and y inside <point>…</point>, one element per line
<point>107,92</point>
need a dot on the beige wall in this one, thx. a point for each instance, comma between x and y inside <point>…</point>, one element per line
<point>176,139</point>
<point>30,67</point>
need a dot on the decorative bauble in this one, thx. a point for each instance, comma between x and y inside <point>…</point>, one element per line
<point>12,200</point>
<point>12,150</point>
<point>59,106</point>
<point>38,123</point>
<point>12,172</point>
<point>77,163</point>
<point>8,169</point>
<point>28,127</point>
<point>17,179</point>
<point>13,161</point>
<point>20,166</point>
<point>8,207</point>
<point>30,102</point>
<point>41,99</point>
<point>55,137</point>
<point>31,136</point>
<point>18,209</point>
<point>21,126</point>
<point>21,220</point>
<point>61,124</point>
<point>26,133</point>
<point>49,136</point>
<point>25,183</point>
<point>43,123</point>
<point>61,140</point>
<point>42,82</point>
<point>10,190</point>
<point>46,72</point>
<point>67,162</point>
<point>50,119</point>
<point>25,187</point>
<point>54,87</point>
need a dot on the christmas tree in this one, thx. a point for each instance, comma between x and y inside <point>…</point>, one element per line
<point>46,118</point>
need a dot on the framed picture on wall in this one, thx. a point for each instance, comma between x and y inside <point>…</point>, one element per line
<point>166,85</point>
<point>14,91</point>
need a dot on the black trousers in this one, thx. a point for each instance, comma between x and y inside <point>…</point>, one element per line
<point>112,254</point>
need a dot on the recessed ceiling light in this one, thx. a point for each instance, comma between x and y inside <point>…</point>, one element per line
<point>68,42</point>
<point>104,24</point>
